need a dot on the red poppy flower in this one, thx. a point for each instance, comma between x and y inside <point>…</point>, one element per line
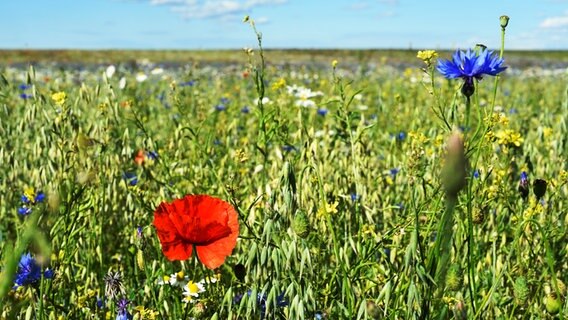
<point>139,157</point>
<point>210,224</point>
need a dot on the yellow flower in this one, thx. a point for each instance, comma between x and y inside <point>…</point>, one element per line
<point>328,208</point>
<point>546,132</point>
<point>241,155</point>
<point>59,98</point>
<point>281,83</point>
<point>334,64</point>
<point>427,56</point>
<point>509,137</point>
<point>146,314</point>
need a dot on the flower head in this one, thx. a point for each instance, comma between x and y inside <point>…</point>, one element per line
<point>192,290</point>
<point>209,224</point>
<point>113,284</point>
<point>59,98</point>
<point>29,272</point>
<point>123,310</point>
<point>427,56</point>
<point>470,65</point>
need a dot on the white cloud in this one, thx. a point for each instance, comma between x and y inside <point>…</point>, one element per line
<point>222,9</point>
<point>555,22</point>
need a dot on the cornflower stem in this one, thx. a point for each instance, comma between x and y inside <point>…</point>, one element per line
<point>467,111</point>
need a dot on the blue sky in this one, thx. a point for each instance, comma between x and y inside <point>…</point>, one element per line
<point>212,24</point>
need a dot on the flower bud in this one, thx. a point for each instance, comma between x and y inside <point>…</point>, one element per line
<point>301,224</point>
<point>539,188</point>
<point>455,167</point>
<point>524,185</point>
<point>504,21</point>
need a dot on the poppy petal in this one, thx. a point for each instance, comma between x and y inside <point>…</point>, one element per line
<point>172,245</point>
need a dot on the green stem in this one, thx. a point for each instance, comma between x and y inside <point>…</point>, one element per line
<point>497,76</point>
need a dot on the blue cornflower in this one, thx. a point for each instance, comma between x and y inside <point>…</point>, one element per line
<point>470,65</point>
<point>24,211</point>
<point>26,96</point>
<point>25,199</point>
<point>245,109</point>
<point>122,310</point>
<point>130,178</point>
<point>225,100</point>
<point>322,111</point>
<point>220,107</point>
<point>39,197</point>
<point>354,197</point>
<point>29,272</point>
<point>24,86</point>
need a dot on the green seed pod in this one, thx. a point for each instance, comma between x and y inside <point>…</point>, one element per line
<point>552,303</point>
<point>140,259</point>
<point>521,290</point>
<point>301,224</point>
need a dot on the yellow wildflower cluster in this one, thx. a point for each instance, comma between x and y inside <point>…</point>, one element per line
<point>59,98</point>
<point>145,314</point>
<point>534,208</point>
<point>418,138</point>
<point>328,208</point>
<point>241,155</point>
<point>427,56</point>
<point>499,118</point>
<point>508,137</point>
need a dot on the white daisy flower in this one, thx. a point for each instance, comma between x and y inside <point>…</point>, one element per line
<point>192,290</point>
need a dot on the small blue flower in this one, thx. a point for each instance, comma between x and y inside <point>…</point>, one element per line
<point>153,155</point>
<point>513,111</point>
<point>189,83</point>
<point>469,65</point>
<point>225,100</point>
<point>100,303</point>
<point>524,177</point>
<point>24,86</point>
<point>354,197</point>
<point>322,111</point>
<point>220,107</point>
<point>26,96</point>
<point>476,174</point>
<point>245,110</point>
<point>130,178</point>
<point>394,171</point>
<point>401,136</point>
<point>25,199</point>
<point>39,197</point>
<point>24,211</point>
<point>288,148</point>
